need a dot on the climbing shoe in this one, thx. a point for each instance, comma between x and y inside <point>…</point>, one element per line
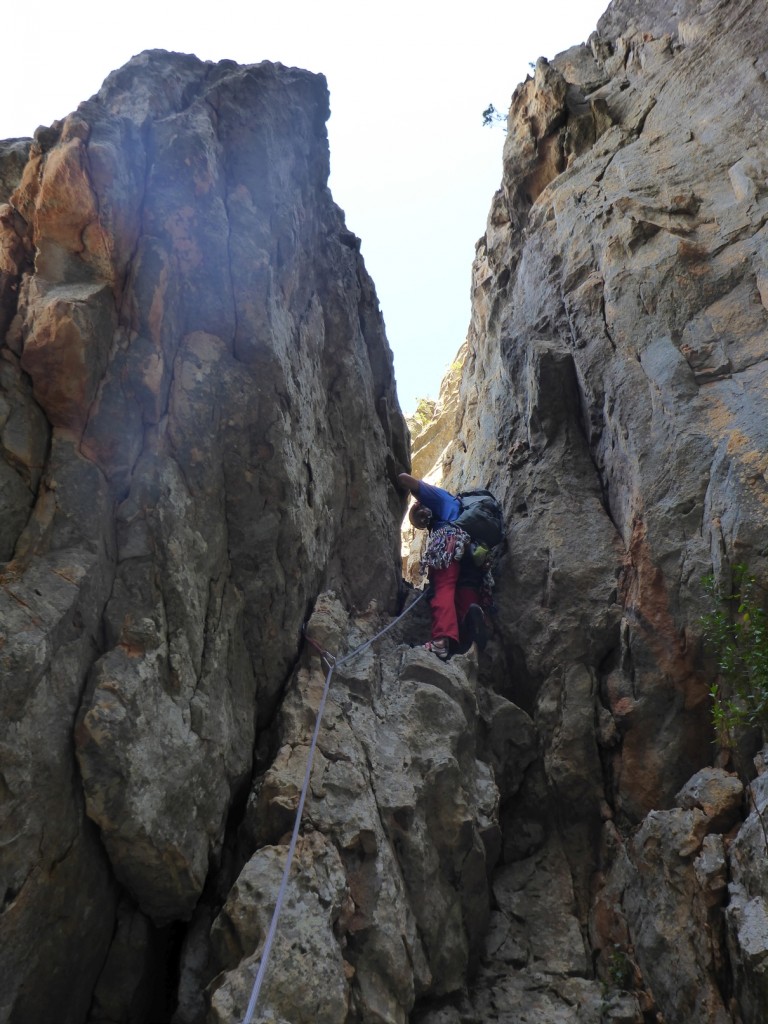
<point>474,626</point>
<point>440,647</point>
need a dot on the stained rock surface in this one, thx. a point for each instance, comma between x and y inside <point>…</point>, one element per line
<point>200,440</point>
<point>612,396</point>
<point>199,432</point>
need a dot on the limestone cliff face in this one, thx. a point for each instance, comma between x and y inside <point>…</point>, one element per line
<point>199,438</point>
<point>613,394</point>
<point>199,433</point>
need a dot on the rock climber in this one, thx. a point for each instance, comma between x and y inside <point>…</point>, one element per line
<point>458,586</point>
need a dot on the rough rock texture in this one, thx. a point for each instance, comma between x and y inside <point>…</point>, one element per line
<point>612,394</point>
<point>390,900</point>
<point>199,432</point>
<point>200,439</point>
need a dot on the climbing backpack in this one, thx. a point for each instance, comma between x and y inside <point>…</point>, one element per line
<point>481,517</point>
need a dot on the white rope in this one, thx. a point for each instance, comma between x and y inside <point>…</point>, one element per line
<point>300,809</point>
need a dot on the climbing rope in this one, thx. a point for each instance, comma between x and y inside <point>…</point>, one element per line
<point>333,663</point>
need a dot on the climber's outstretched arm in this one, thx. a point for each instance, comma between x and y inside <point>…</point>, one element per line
<point>409,482</point>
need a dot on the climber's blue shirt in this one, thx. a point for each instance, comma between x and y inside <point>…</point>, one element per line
<point>443,506</point>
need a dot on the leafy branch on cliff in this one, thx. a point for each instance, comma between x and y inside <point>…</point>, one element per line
<point>425,411</point>
<point>737,631</point>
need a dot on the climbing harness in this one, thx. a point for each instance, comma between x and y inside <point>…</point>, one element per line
<point>446,544</point>
<point>333,663</point>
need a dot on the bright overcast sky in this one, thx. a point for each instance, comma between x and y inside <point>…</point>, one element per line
<point>411,164</point>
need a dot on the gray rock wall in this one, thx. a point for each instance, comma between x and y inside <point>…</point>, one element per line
<point>389,900</point>
<point>199,433</point>
<point>612,395</point>
<point>200,440</point>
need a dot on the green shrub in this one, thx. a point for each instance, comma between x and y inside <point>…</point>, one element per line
<point>620,968</point>
<point>736,630</point>
<point>425,411</point>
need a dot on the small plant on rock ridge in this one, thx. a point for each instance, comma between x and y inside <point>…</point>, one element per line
<point>736,630</point>
<point>425,411</point>
<point>620,968</point>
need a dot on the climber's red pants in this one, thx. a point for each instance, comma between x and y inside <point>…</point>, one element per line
<point>449,603</point>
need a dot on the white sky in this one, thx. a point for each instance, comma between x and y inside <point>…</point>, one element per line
<point>411,164</point>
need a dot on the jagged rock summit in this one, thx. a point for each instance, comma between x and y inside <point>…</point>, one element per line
<point>200,433</point>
